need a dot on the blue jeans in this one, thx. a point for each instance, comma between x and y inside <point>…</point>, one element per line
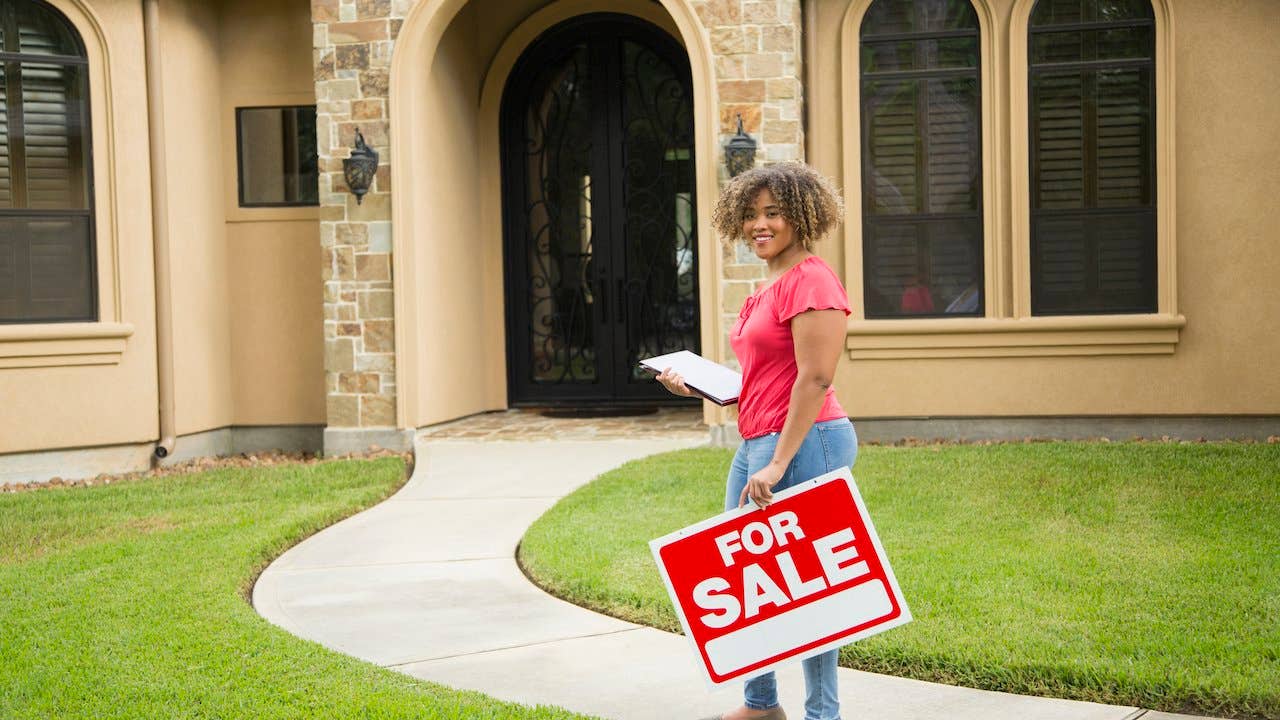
<point>829,445</point>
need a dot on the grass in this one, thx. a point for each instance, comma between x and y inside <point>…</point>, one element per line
<point>130,601</point>
<point>1142,574</point>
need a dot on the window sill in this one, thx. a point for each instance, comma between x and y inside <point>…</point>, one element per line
<point>1027,337</point>
<point>63,344</point>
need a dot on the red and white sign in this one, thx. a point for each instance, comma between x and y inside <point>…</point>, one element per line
<point>757,587</point>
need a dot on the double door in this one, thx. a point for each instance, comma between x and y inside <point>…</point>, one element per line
<point>599,213</point>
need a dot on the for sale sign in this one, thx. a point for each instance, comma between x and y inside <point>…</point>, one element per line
<point>755,587</point>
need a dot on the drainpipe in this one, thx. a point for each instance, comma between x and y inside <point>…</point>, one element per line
<point>808,55</point>
<point>160,229</point>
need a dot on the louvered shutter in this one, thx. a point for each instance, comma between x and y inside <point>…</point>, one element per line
<point>9,246</point>
<point>6,177</point>
<point>59,267</point>
<point>50,128</point>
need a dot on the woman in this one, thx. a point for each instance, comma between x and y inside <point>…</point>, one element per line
<point>788,339</point>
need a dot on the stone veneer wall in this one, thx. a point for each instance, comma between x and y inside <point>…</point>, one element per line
<point>757,44</point>
<point>352,56</point>
<point>757,48</point>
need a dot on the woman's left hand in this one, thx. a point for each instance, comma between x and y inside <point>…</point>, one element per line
<point>760,486</point>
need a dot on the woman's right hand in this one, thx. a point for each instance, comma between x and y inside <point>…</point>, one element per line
<point>674,383</point>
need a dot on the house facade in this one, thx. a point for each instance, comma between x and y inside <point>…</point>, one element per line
<point>1060,214</point>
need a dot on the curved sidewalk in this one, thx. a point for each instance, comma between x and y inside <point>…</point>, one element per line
<point>426,583</point>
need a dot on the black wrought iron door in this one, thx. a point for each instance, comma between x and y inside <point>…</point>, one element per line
<point>600,240</point>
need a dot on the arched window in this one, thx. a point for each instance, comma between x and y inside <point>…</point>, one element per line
<point>1092,157</point>
<point>46,228</point>
<point>922,236</point>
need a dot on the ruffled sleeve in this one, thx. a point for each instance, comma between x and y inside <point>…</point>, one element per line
<point>811,285</point>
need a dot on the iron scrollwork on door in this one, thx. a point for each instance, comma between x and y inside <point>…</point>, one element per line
<point>557,205</point>
<point>600,212</point>
<point>661,283</point>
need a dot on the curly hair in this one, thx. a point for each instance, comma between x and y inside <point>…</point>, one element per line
<point>806,198</point>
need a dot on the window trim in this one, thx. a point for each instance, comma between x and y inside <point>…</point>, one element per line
<point>865,218</point>
<point>44,344</point>
<point>1020,161</point>
<point>89,178</point>
<point>1008,328</point>
<point>1092,210</point>
<point>68,343</point>
<point>851,127</point>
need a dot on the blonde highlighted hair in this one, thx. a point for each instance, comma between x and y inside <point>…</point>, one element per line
<point>806,199</point>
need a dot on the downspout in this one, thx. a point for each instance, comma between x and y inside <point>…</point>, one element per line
<point>160,229</point>
<point>808,55</point>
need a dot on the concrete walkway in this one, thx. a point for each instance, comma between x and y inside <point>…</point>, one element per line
<point>426,583</point>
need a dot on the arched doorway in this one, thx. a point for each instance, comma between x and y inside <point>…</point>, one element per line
<point>599,212</point>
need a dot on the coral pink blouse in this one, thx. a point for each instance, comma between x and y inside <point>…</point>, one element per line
<point>766,350</point>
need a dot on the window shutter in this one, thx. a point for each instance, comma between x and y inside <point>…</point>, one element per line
<point>1059,136</point>
<point>1122,129</point>
<point>1061,263</point>
<point>59,268</point>
<point>6,176</point>
<point>894,146</point>
<point>9,295</point>
<point>49,127</point>
<point>952,138</point>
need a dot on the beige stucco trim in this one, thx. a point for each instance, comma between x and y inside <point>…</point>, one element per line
<point>423,29</point>
<point>61,344</point>
<point>706,120</point>
<point>419,35</point>
<point>1020,169</point>
<point>1023,337</point>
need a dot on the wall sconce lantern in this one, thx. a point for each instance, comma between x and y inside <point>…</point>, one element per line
<point>739,152</point>
<point>360,168</point>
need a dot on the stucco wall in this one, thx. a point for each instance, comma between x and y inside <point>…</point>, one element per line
<point>246,284</point>
<point>246,287</point>
<point>1226,232</point>
<point>201,328</point>
<point>449,268</point>
<point>275,292</point>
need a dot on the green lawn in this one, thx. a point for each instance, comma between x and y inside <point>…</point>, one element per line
<point>1141,574</point>
<point>130,601</point>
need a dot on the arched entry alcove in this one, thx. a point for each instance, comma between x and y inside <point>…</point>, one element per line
<point>599,240</point>
<point>451,62</point>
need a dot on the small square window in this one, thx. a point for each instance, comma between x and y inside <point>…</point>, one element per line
<point>276,156</point>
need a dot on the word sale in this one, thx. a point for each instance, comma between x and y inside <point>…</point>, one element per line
<point>758,584</point>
